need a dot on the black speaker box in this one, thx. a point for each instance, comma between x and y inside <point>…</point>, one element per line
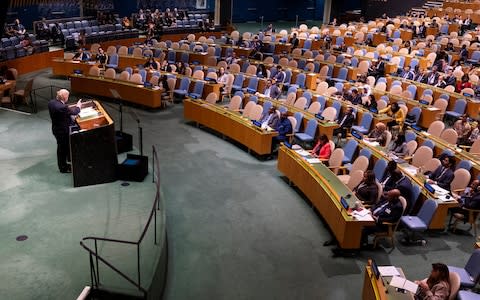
<point>133,168</point>
<point>124,141</point>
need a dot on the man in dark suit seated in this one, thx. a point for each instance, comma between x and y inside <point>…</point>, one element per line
<point>443,175</point>
<point>279,78</point>
<point>389,209</point>
<point>356,98</point>
<point>469,199</point>
<point>345,123</point>
<point>61,115</point>
<point>397,180</point>
<point>284,128</point>
<point>432,77</point>
<point>81,55</point>
<point>407,73</point>
<point>294,41</point>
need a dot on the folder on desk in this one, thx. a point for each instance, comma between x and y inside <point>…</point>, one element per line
<point>403,283</point>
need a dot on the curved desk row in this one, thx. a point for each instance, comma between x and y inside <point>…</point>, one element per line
<point>127,91</point>
<point>324,189</point>
<point>230,124</point>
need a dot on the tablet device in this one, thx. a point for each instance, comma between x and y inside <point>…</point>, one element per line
<point>356,134</point>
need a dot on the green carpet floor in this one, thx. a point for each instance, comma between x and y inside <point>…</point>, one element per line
<point>236,229</point>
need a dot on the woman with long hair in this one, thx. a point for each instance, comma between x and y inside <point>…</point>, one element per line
<point>437,285</point>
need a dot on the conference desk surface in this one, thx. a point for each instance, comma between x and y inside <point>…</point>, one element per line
<point>66,67</point>
<point>379,289</point>
<point>230,124</point>
<point>438,220</point>
<point>129,92</point>
<point>324,189</point>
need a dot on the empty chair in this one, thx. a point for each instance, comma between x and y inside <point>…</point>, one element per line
<point>410,136</point>
<point>458,109</point>
<point>420,222</point>
<point>182,90</point>
<point>300,103</point>
<point>237,83</point>
<point>109,73</point>
<point>467,295</point>
<point>329,114</point>
<point>24,94</point>
<point>464,164</point>
<point>354,179</point>
<point>422,155</point>
<point>112,61</point>
<point>450,136</point>
<point>197,90</point>
<point>429,143</point>
<point>235,103</point>
<point>136,78</point>
<point>299,81</point>
<point>413,116</point>
<point>252,85</point>
<point>349,150</point>
<point>469,274</point>
<point>335,161</point>
<point>365,124</point>
<point>314,108</point>
<point>436,128</point>
<point>361,163</point>
<point>461,178</point>
<point>379,169</point>
<point>198,74</point>
<point>309,134</point>
<point>256,112</point>
<point>299,117</point>
<point>143,73</point>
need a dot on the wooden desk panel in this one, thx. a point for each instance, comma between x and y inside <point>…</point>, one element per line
<point>97,86</point>
<point>232,126</point>
<point>61,67</point>
<point>32,63</point>
<point>312,181</point>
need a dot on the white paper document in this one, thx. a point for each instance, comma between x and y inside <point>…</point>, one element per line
<point>367,217</point>
<point>313,160</point>
<point>439,191</point>
<point>388,271</point>
<point>303,152</point>
<point>403,283</point>
<point>87,112</point>
<point>373,144</point>
<point>411,170</point>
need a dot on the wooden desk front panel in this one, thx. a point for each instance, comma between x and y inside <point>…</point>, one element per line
<point>31,63</point>
<point>347,232</point>
<point>130,93</point>
<point>66,68</point>
<point>253,138</point>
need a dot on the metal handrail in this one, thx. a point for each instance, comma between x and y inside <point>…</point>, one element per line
<point>93,253</point>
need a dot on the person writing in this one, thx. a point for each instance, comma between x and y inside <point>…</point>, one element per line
<point>322,149</point>
<point>61,113</point>
<point>436,286</point>
<point>379,134</point>
<point>389,210</point>
<point>399,147</point>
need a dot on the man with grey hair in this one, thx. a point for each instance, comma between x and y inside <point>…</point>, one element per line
<point>61,113</point>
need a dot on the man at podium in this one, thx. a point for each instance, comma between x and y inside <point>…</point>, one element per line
<point>61,113</point>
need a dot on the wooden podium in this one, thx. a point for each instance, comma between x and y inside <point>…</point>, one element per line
<point>93,150</point>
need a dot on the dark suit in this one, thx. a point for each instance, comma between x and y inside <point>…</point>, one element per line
<point>432,78</point>
<point>443,176</point>
<point>368,194</point>
<point>279,77</point>
<point>408,75</point>
<point>60,114</point>
<point>345,122</point>
<point>272,120</point>
<point>451,80</point>
<point>385,211</point>
<point>357,100</point>
<point>284,127</point>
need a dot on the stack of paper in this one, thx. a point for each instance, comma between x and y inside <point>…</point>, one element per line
<point>411,170</point>
<point>313,160</point>
<point>303,152</point>
<point>362,215</point>
<point>403,283</point>
<point>373,144</point>
<point>88,112</point>
<point>388,271</point>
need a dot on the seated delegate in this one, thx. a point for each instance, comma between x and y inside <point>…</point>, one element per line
<point>322,149</point>
<point>436,286</point>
